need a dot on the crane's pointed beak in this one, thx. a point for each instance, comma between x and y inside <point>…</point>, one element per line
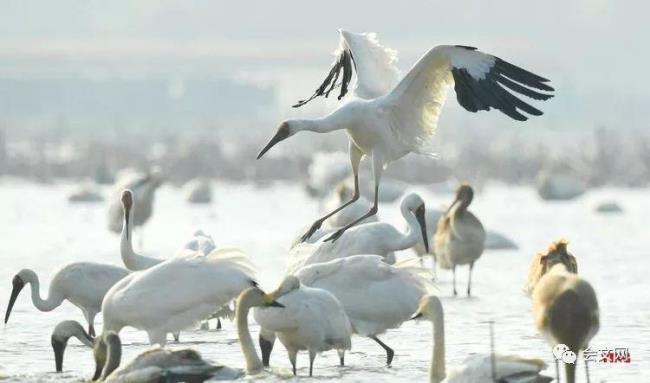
<point>18,285</point>
<point>281,135</point>
<point>416,316</point>
<point>59,350</point>
<point>420,216</point>
<point>276,304</point>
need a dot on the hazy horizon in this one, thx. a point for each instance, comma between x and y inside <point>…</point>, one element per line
<point>587,48</point>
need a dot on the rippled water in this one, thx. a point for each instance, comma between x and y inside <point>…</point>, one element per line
<point>40,230</point>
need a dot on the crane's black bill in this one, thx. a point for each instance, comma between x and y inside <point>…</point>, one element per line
<point>59,350</point>
<point>18,285</point>
<point>281,135</point>
<point>420,216</point>
<point>276,304</point>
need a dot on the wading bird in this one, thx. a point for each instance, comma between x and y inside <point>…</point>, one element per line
<point>133,261</point>
<point>476,368</point>
<point>200,242</point>
<point>312,319</point>
<point>460,236</point>
<point>565,309</point>
<point>378,238</point>
<point>177,293</point>
<point>83,284</point>
<point>376,296</point>
<point>386,126</point>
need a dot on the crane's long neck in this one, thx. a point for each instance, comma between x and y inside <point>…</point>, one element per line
<point>437,371</point>
<point>320,125</point>
<point>253,362</point>
<point>129,257</point>
<point>53,300</point>
<point>413,234</point>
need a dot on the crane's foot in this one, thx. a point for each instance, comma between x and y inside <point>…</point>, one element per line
<point>336,235</point>
<point>314,227</point>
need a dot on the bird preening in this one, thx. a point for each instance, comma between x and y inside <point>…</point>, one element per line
<point>388,118</point>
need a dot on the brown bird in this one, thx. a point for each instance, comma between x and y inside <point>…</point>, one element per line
<point>565,307</point>
<point>460,236</point>
<point>543,262</point>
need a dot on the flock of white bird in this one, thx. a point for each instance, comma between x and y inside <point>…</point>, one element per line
<point>344,264</point>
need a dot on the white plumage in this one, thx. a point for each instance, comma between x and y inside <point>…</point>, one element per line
<point>312,319</point>
<point>376,65</point>
<point>376,296</point>
<point>386,127</point>
<point>378,238</point>
<point>177,293</point>
<point>84,284</point>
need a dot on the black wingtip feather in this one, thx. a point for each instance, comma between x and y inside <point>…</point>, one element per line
<point>345,63</point>
<point>500,89</point>
<point>521,75</point>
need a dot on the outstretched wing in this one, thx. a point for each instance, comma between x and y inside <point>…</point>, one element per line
<point>481,82</point>
<point>375,65</point>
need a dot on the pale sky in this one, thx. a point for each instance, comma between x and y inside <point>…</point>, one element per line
<point>594,51</point>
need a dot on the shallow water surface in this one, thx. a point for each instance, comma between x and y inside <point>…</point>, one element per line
<point>41,231</point>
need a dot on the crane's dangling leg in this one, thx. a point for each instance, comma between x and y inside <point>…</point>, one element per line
<point>341,357</point>
<point>355,159</point>
<point>389,351</point>
<point>377,168</point>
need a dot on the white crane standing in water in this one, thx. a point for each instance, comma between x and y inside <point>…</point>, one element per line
<point>389,119</point>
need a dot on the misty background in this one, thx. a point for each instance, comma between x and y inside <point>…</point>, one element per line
<point>197,87</point>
